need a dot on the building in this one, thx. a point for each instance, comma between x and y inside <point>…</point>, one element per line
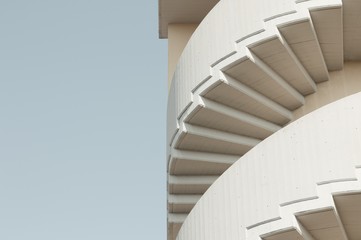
<point>264,119</point>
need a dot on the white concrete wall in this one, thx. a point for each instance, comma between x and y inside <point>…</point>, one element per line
<point>288,167</point>
<point>212,43</point>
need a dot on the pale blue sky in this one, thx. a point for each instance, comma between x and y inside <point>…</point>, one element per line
<point>82,120</point>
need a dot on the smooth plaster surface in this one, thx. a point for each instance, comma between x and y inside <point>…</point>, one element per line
<point>341,84</point>
<point>178,37</point>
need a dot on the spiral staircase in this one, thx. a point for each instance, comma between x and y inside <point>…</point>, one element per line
<point>253,91</point>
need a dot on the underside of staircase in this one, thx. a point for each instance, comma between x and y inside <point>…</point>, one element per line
<point>253,93</point>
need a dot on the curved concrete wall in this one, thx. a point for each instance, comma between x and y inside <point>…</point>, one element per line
<point>212,42</point>
<point>320,148</point>
<point>250,68</point>
<point>229,26</point>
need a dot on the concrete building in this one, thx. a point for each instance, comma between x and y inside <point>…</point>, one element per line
<point>264,119</point>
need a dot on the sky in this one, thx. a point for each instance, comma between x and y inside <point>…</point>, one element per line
<point>83,89</point>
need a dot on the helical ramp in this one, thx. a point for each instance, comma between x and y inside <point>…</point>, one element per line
<point>264,138</point>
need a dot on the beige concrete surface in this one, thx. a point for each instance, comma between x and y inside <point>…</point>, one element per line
<point>178,36</point>
<point>341,84</point>
<point>183,12</point>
